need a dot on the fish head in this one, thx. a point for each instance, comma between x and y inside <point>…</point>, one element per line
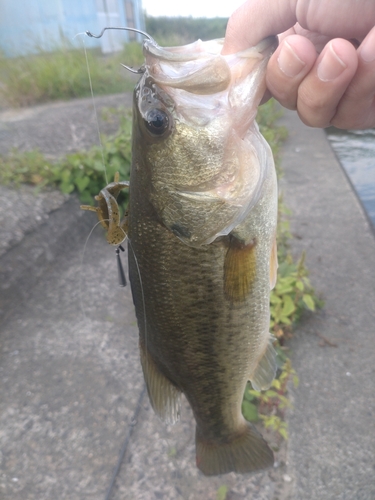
<point>195,142</point>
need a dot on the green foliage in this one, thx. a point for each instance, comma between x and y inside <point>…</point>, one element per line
<point>26,168</point>
<point>84,172</point>
<point>88,172</point>
<point>291,296</point>
<point>269,405</point>
<point>62,73</point>
<point>267,115</point>
<point>169,31</point>
<point>293,293</point>
<point>222,492</point>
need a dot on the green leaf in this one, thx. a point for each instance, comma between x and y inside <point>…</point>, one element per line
<point>300,285</point>
<point>285,320</point>
<point>66,187</point>
<point>274,299</point>
<point>271,394</point>
<point>284,433</point>
<point>276,383</point>
<point>249,397</point>
<point>250,411</point>
<point>222,492</point>
<point>82,183</point>
<point>255,393</point>
<point>309,301</point>
<point>288,307</point>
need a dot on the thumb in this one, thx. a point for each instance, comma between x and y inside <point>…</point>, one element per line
<point>255,20</point>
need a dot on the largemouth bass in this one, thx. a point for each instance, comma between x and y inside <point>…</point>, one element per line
<point>202,229</point>
<point>202,237</point>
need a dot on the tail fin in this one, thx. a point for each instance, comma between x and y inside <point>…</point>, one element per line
<point>247,452</point>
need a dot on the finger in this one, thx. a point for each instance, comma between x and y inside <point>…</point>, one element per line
<point>287,68</point>
<point>320,92</point>
<point>337,18</point>
<point>255,20</point>
<point>357,106</point>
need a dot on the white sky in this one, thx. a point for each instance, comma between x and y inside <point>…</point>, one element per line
<point>195,8</point>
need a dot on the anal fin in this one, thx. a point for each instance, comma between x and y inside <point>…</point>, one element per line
<point>265,372</point>
<point>239,270</point>
<point>164,396</point>
<point>244,453</point>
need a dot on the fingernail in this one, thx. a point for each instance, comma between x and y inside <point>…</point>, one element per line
<point>331,66</point>
<point>367,49</point>
<point>289,63</point>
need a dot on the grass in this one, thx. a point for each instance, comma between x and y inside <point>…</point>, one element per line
<point>62,74</point>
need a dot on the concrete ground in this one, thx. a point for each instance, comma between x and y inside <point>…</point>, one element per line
<point>75,422</point>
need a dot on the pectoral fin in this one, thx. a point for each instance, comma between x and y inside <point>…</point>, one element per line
<point>265,372</point>
<point>239,270</point>
<point>164,396</point>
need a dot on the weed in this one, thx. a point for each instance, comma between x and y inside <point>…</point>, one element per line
<point>82,172</point>
<point>62,73</point>
<point>269,406</point>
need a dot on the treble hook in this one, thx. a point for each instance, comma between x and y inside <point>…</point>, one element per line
<point>139,71</point>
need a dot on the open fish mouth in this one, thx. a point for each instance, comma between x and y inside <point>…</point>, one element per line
<point>194,89</point>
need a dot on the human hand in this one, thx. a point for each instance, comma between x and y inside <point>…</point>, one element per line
<point>324,66</point>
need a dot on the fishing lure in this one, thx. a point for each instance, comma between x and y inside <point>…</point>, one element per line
<point>108,213</point>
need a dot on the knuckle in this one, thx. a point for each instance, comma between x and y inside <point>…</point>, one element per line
<point>315,111</point>
<point>317,102</point>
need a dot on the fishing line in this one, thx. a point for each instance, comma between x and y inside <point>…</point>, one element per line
<point>93,103</point>
<point>142,291</point>
<point>81,270</point>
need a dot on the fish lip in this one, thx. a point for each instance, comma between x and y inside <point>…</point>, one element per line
<point>183,53</point>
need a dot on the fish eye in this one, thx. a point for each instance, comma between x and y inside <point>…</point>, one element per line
<point>157,121</point>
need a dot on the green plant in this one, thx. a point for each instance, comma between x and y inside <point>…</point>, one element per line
<point>275,135</point>
<point>169,31</point>
<point>222,492</point>
<point>84,172</point>
<point>61,73</point>
<point>88,172</point>
<point>292,295</point>
<point>269,405</point>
